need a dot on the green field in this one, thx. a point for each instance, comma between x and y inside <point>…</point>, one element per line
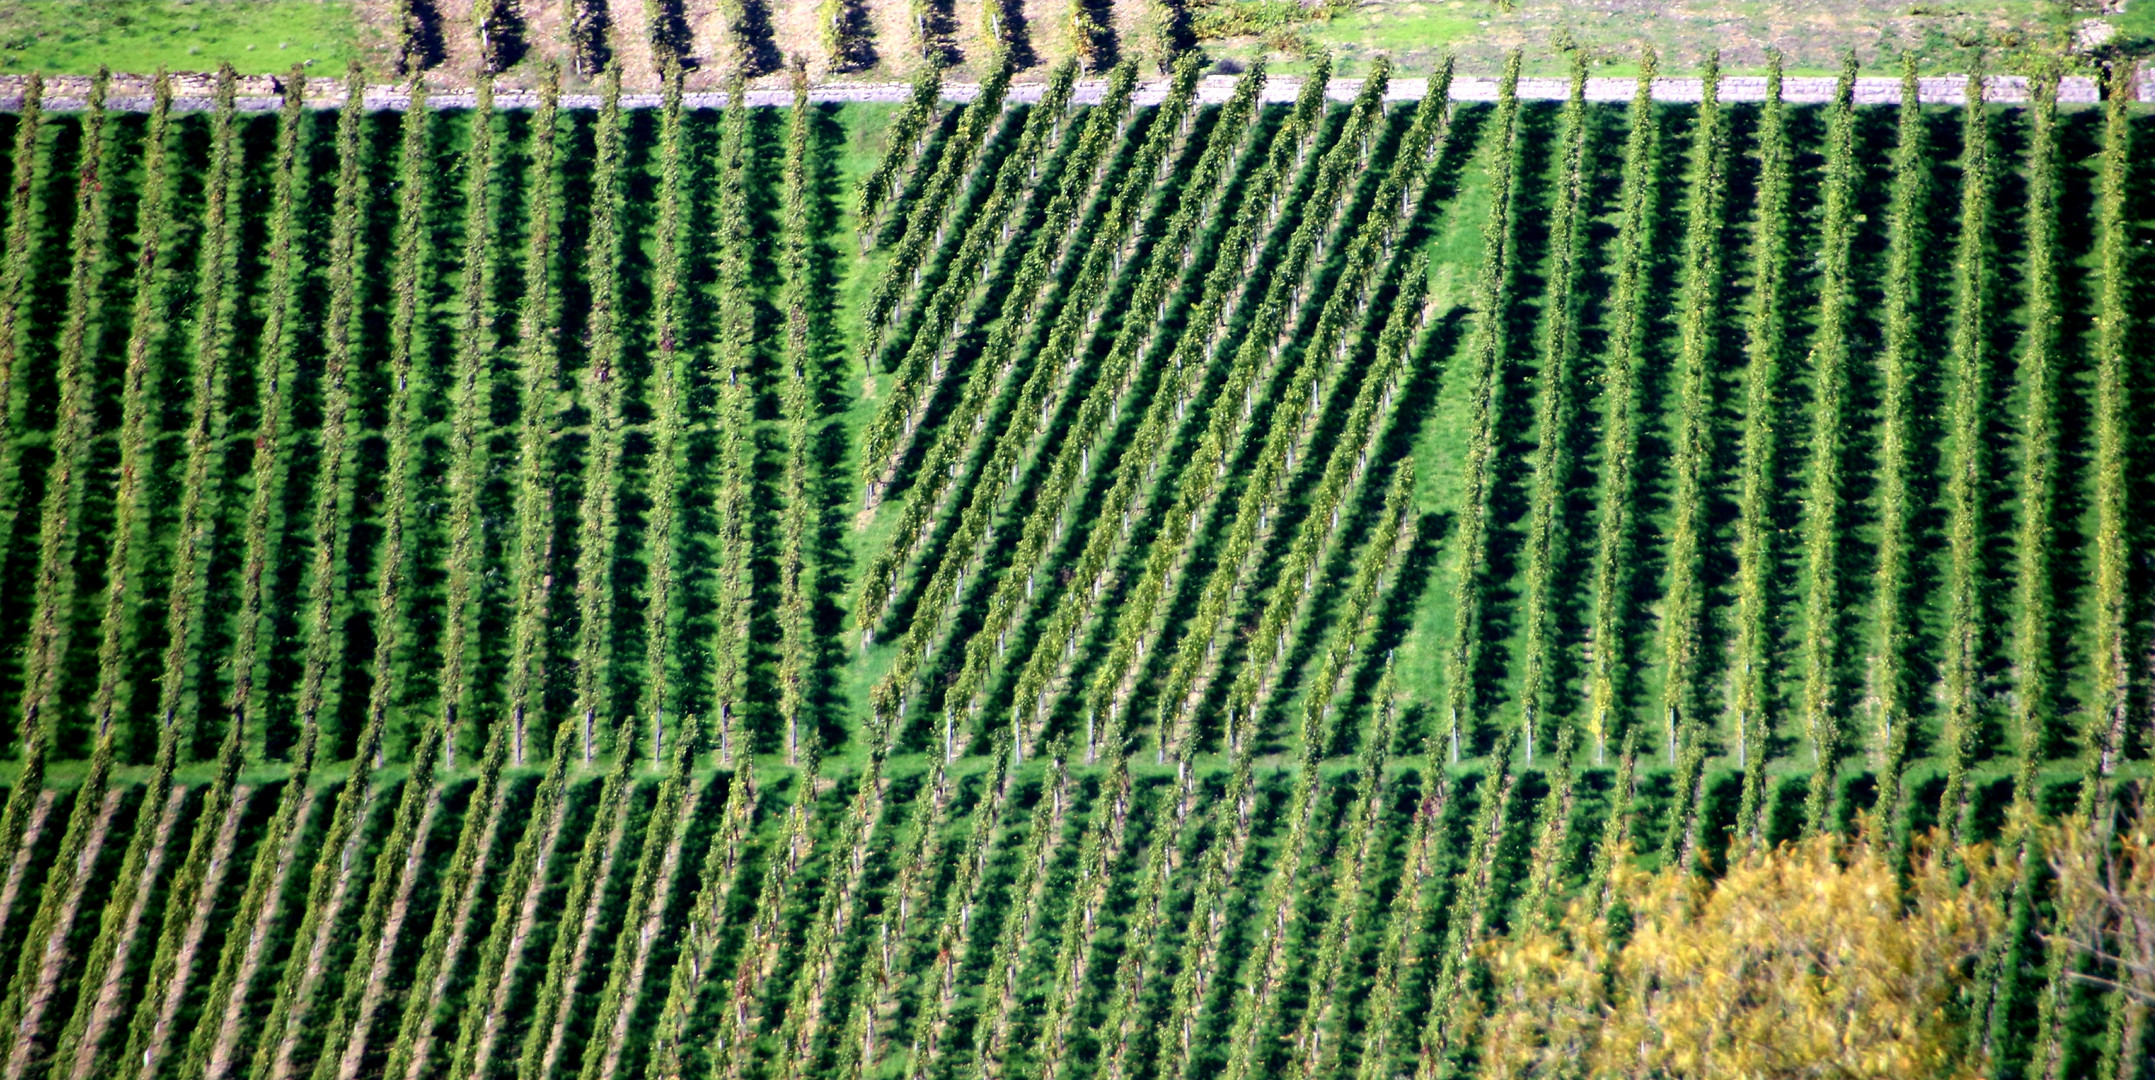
<point>1811,36</point>
<point>1168,591</point>
<point>258,37</point>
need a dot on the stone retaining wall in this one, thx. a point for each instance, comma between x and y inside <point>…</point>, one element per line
<point>260,93</point>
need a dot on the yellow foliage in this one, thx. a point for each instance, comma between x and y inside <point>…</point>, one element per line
<point>1810,961</point>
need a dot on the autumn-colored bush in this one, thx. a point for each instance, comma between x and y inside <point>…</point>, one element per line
<point>1811,960</point>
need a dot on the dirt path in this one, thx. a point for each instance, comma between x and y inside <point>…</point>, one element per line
<point>30,1036</point>
<point>112,986</point>
<point>189,955</point>
<point>649,930</point>
<point>33,830</point>
<point>632,46</point>
<point>534,889</point>
<point>285,1064</point>
<point>462,924</point>
<point>254,957</point>
<point>796,25</point>
<point>897,44</point>
<point>579,957</point>
<point>400,906</point>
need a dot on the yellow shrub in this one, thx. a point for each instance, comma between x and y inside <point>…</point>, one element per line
<point>1811,960</point>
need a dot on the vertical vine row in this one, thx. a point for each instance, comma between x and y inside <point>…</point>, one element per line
<point>1823,496</point>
